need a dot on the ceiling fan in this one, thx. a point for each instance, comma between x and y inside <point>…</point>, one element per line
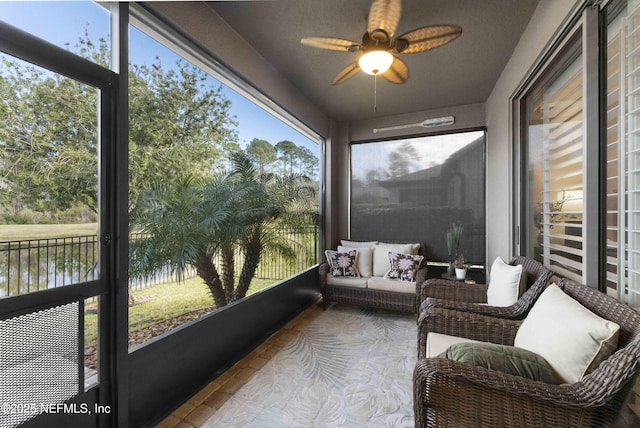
<point>378,46</point>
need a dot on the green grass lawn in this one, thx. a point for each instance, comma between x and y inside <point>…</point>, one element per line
<point>11,232</point>
<point>163,301</point>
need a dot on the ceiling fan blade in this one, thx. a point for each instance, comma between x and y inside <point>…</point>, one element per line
<point>398,72</point>
<point>331,43</point>
<point>425,38</point>
<point>384,15</point>
<point>347,72</point>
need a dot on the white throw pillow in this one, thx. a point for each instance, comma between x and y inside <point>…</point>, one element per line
<point>381,252</point>
<point>364,259</point>
<point>415,247</point>
<point>506,283</point>
<point>354,244</point>
<point>570,337</point>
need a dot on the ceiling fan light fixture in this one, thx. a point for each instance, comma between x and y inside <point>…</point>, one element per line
<point>375,62</point>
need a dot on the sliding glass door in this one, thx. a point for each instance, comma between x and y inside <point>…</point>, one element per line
<point>554,166</point>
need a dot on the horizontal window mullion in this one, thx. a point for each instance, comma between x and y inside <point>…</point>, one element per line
<point>561,270</point>
<point>572,238</point>
<point>549,179</point>
<point>566,262</point>
<point>556,247</point>
<point>560,189</point>
<point>636,91</point>
<point>565,134</point>
<point>551,224</point>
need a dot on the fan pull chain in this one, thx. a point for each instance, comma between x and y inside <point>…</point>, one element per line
<point>375,93</point>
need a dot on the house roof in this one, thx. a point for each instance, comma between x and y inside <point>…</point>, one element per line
<point>431,172</point>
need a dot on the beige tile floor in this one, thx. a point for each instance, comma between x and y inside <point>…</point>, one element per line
<point>197,410</point>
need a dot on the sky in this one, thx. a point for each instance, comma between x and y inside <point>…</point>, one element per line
<point>44,19</point>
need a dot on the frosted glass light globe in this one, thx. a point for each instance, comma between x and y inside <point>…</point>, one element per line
<point>375,62</point>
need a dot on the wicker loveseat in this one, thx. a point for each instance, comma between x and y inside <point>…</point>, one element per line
<point>449,393</point>
<point>372,291</point>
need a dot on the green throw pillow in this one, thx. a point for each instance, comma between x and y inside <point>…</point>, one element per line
<point>507,359</point>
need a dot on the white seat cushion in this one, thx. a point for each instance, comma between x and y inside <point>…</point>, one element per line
<point>438,343</point>
<point>357,282</point>
<point>506,283</point>
<point>377,283</point>
<point>570,337</point>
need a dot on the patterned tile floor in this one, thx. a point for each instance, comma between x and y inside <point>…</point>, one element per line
<point>196,411</point>
<point>201,409</point>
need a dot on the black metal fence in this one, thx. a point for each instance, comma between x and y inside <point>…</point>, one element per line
<point>38,264</point>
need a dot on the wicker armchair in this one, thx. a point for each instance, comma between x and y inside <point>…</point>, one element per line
<point>452,394</point>
<point>462,297</point>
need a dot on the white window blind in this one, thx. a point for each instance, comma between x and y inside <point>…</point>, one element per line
<point>615,182</point>
<point>555,153</point>
<point>630,138</point>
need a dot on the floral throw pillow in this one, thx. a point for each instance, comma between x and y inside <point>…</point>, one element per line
<point>342,264</point>
<point>403,266</point>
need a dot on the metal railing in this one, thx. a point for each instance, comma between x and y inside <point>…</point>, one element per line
<point>31,265</point>
<point>38,264</point>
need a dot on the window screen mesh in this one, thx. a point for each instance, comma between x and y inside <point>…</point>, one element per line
<point>412,190</point>
<point>38,362</point>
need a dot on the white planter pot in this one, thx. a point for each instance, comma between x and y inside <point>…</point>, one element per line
<point>461,273</point>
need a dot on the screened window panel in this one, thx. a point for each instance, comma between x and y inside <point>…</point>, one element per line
<point>40,362</point>
<point>555,166</point>
<point>412,190</point>
<point>42,182</point>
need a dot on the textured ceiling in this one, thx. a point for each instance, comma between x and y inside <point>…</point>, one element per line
<point>461,72</point>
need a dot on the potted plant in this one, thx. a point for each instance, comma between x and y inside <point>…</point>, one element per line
<point>452,238</point>
<point>461,267</point>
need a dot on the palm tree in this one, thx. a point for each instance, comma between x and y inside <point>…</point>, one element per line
<point>194,222</point>
<point>277,203</point>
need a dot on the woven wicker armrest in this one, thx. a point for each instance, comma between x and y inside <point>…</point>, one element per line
<point>453,290</point>
<point>456,394</point>
<point>464,324</point>
<point>421,277</point>
<point>323,270</point>
<point>478,308</point>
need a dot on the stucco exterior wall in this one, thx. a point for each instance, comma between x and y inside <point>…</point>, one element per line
<point>547,19</point>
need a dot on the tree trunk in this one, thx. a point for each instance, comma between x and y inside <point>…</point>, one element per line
<point>228,272</point>
<point>208,272</point>
<point>252,253</point>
